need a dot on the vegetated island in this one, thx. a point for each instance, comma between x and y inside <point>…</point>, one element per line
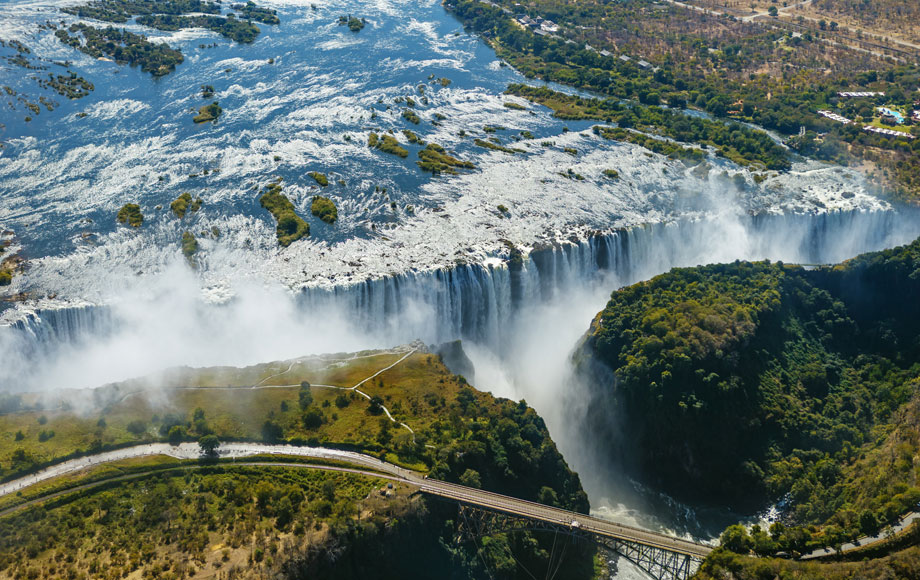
<point>156,58</point>
<point>750,382</point>
<point>180,14</point>
<point>386,143</point>
<point>411,116</point>
<point>435,159</point>
<point>122,46</point>
<point>497,146</point>
<point>320,178</point>
<point>270,521</point>
<point>324,208</point>
<point>291,227</point>
<point>184,203</point>
<point>207,113</point>
<point>252,11</point>
<point>130,214</point>
<point>353,23</point>
<point>121,11</point>
<point>189,246</point>
<point>70,85</point>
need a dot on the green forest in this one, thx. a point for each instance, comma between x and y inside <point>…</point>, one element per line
<point>750,382</point>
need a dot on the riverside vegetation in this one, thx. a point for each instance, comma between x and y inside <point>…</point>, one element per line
<point>773,76</point>
<point>756,381</point>
<point>281,520</point>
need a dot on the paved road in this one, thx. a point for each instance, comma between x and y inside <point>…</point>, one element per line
<point>904,523</point>
<point>187,467</point>
<point>443,489</point>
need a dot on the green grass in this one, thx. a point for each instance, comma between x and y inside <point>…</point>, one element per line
<point>240,414</point>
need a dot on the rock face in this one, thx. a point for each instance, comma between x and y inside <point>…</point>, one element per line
<point>728,382</point>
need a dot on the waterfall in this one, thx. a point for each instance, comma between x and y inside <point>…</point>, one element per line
<point>479,302</point>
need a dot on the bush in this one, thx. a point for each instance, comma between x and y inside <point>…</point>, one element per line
<point>313,418</point>
<point>137,428</point>
<point>375,407</point>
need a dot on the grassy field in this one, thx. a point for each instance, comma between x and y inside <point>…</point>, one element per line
<point>415,390</point>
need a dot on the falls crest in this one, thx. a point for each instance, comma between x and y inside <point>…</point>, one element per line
<point>480,303</point>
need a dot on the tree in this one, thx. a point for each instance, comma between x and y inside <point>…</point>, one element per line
<point>376,405</point>
<point>306,396</point>
<point>547,496</point>
<point>470,478</point>
<point>137,427</point>
<point>736,539</point>
<point>384,437</point>
<point>313,419</point>
<point>773,11</point>
<point>284,511</point>
<point>272,432</point>
<point>868,522</point>
<point>208,445</point>
<point>176,435</point>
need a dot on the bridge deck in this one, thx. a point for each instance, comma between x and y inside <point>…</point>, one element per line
<point>559,516</point>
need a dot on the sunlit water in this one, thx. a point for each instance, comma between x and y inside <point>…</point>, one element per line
<point>64,175</point>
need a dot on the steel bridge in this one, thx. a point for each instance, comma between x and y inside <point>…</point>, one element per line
<point>483,513</point>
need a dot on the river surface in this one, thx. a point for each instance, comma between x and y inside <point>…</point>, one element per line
<point>426,259</point>
<point>65,174</point>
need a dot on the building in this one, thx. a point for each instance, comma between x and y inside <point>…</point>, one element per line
<point>888,132</point>
<point>835,117</point>
<point>860,94</point>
